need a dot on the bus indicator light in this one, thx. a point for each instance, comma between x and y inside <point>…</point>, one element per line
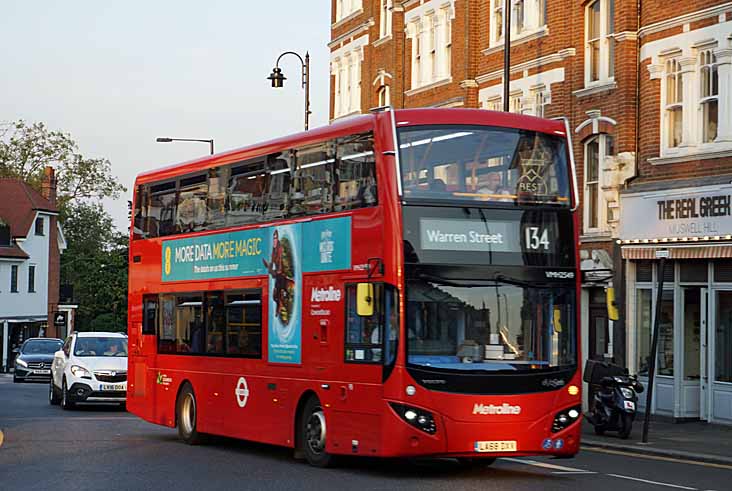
<point>573,390</point>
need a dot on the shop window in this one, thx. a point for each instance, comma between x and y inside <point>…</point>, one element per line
<point>643,318</point>
<point>723,341</point>
<point>693,271</point>
<point>668,273</point>
<point>723,271</point>
<point>644,271</point>
<point>665,364</point>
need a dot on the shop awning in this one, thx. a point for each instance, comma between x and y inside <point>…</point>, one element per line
<point>711,251</point>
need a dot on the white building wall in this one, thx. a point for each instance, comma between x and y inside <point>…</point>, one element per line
<point>25,303</point>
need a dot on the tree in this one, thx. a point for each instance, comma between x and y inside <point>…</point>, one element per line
<point>25,149</point>
<point>95,263</point>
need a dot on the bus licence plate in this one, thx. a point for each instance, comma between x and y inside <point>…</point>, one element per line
<point>112,387</point>
<point>496,446</point>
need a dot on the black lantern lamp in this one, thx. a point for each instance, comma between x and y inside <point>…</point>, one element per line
<point>278,80</point>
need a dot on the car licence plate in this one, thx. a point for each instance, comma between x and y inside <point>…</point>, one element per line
<point>112,387</point>
<point>496,446</point>
<point>42,372</point>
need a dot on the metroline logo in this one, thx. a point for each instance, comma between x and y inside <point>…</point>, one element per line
<point>491,409</point>
<point>323,295</point>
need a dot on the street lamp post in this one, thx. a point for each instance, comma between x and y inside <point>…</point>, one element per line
<point>278,79</point>
<point>168,140</point>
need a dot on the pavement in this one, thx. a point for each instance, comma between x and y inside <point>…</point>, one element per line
<point>690,440</point>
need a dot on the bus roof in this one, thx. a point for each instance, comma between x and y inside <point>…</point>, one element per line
<point>362,123</point>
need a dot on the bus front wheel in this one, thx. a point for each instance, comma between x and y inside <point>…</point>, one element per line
<point>313,434</point>
<point>186,416</point>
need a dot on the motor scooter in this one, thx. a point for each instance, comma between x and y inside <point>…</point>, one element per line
<point>614,404</point>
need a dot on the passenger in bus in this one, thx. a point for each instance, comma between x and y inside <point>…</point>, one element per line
<point>438,186</point>
<point>493,188</point>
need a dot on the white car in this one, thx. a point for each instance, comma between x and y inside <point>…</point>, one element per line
<point>91,367</point>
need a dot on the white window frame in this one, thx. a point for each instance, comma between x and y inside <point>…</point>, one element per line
<point>493,104</point>
<point>531,20</point>
<point>385,20</point>
<point>602,140</point>
<point>606,43</point>
<point>672,71</point>
<point>707,62</point>
<point>344,8</point>
<point>541,99</point>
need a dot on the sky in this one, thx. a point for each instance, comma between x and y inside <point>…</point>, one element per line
<point>117,75</point>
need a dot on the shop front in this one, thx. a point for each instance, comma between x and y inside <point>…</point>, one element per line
<point>691,229</point>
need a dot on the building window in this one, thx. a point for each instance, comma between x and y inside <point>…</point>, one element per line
<point>385,21</point>
<point>515,104</point>
<point>541,100</point>
<point>39,226</point>
<point>674,102</point>
<point>600,41</point>
<point>346,70</point>
<point>709,92</point>
<point>344,8</point>
<point>4,234</point>
<point>597,149</point>
<point>14,279</point>
<point>431,37</point>
<point>31,279</point>
<point>527,17</point>
<point>494,104</point>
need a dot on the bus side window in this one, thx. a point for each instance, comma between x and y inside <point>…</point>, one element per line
<point>363,341</point>
<point>218,181</point>
<point>150,314</point>
<point>140,227</point>
<point>161,216</point>
<point>355,173</point>
<point>311,191</point>
<point>191,209</point>
<point>244,324</point>
<point>246,195</point>
<point>279,175</point>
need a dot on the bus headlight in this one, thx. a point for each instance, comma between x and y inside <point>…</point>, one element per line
<point>419,418</point>
<point>565,418</point>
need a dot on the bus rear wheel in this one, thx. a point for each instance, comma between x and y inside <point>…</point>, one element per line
<point>186,416</point>
<point>313,434</point>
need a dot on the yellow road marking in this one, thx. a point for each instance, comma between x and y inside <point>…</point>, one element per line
<point>657,457</point>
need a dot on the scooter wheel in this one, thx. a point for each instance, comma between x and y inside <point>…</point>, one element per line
<point>626,425</point>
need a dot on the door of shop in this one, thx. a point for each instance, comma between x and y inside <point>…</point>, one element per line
<point>691,379</point>
<point>719,359</point>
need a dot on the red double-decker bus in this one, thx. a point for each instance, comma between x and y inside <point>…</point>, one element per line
<point>403,283</point>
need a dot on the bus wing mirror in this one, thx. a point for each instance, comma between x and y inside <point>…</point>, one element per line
<point>365,299</point>
<point>612,306</point>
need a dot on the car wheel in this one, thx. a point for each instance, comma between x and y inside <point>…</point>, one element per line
<point>53,397</point>
<point>186,416</point>
<point>65,402</point>
<point>313,434</point>
<point>475,463</point>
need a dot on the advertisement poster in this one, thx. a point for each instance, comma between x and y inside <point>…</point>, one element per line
<point>285,294</point>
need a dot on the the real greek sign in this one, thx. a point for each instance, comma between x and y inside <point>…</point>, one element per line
<point>696,213</point>
<point>468,235</point>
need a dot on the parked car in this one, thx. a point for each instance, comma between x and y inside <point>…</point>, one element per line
<point>90,368</point>
<point>34,359</point>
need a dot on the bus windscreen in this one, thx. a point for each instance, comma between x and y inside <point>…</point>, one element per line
<point>483,164</point>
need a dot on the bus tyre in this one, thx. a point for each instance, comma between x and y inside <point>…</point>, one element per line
<point>53,396</point>
<point>313,434</point>
<point>475,463</point>
<point>186,416</point>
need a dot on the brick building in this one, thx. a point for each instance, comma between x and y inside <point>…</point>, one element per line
<point>647,87</point>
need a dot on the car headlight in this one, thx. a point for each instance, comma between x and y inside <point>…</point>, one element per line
<point>627,393</point>
<point>80,372</point>
<point>21,363</point>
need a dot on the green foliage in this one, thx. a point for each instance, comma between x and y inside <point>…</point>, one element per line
<point>95,263</point>
<point>25,149</point>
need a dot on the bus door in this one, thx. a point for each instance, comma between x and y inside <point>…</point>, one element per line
<point>141,355</point>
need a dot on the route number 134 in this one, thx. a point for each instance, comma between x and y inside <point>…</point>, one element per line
<point>536,238</point>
